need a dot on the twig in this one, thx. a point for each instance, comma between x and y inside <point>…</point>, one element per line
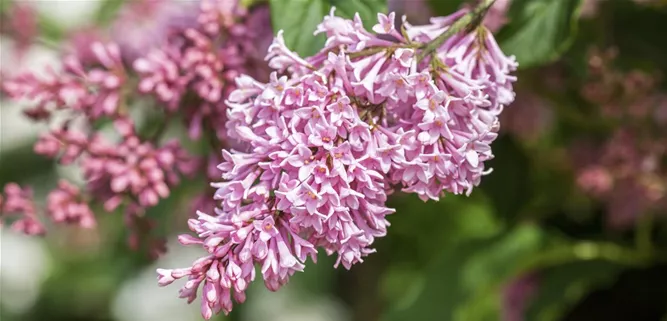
<point>473,18</point>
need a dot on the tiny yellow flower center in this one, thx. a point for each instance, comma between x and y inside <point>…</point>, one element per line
<point>268,227</point>
<point>326,139</point>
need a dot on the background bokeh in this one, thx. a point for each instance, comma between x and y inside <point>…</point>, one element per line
<point>569,226</point>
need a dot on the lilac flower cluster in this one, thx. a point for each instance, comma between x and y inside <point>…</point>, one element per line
<point>329,142</point>
<point>20,23</point>
<point>188,69</point>
<point>192,61</point>
<point>624,171</point>
<point>93,92</point>
<point>18,201</point>
<point>65,204</point>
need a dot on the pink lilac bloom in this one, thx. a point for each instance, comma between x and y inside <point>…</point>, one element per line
<point>627,165</point>
<point>201,62</point>
<point>79,44</point>
<point>18,201</point>
<point>94,92</point>
<point>187,60</point>
<point>146,24</point>
<point>329,142</point>
<point>22,26</point>
<point>65,205</point>
<point>496,17</point>
<point>595,180</point>
<point>132,167</point>
<point>624,168</point>
<point>204,59</point>
<point>530,117</point>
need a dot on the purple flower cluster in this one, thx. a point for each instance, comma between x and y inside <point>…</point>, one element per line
<point>189,68</point>
<point>143,25</point>
<point>93,92</point>
<point>625,171</point>
<point>65,204</point>
<point>18,201</point>
<point>193,62</point>
<point>330,140</point>
<point>132,167</point>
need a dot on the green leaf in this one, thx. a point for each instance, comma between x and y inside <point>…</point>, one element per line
<point>466,281</point>
<point>107,11</point>
<point>4,5</point>
<point>540,30</point>
<point>50,29</point>
<point>418,229</point>
<point>22,164</point>
<point>461,271</point>
<point>367,9</point>
<point>299,19</point>
<point>486,265</point>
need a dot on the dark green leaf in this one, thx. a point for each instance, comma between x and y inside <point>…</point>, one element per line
<point>419,228</point>
<point>299,19</point>
<point>21,164</point>
<point>367,9</point>
<point>508,186</point>
<point>540,30</point>
<point>461,272</point>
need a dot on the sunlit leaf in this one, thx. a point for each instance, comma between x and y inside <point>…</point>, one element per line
<point>540,30</point>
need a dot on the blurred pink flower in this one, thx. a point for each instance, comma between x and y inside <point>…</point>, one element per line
<point>20,23</point>
<point>18,202</point>
<point>65,205</point>
<point>146,24</point>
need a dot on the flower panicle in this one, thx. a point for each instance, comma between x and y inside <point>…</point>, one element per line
<point>329,137</point>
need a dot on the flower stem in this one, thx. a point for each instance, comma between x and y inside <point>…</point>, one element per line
<point>474,17</point>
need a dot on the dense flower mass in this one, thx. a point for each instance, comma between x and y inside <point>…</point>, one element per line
<point>330,136</point>
<point>184,59</point>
